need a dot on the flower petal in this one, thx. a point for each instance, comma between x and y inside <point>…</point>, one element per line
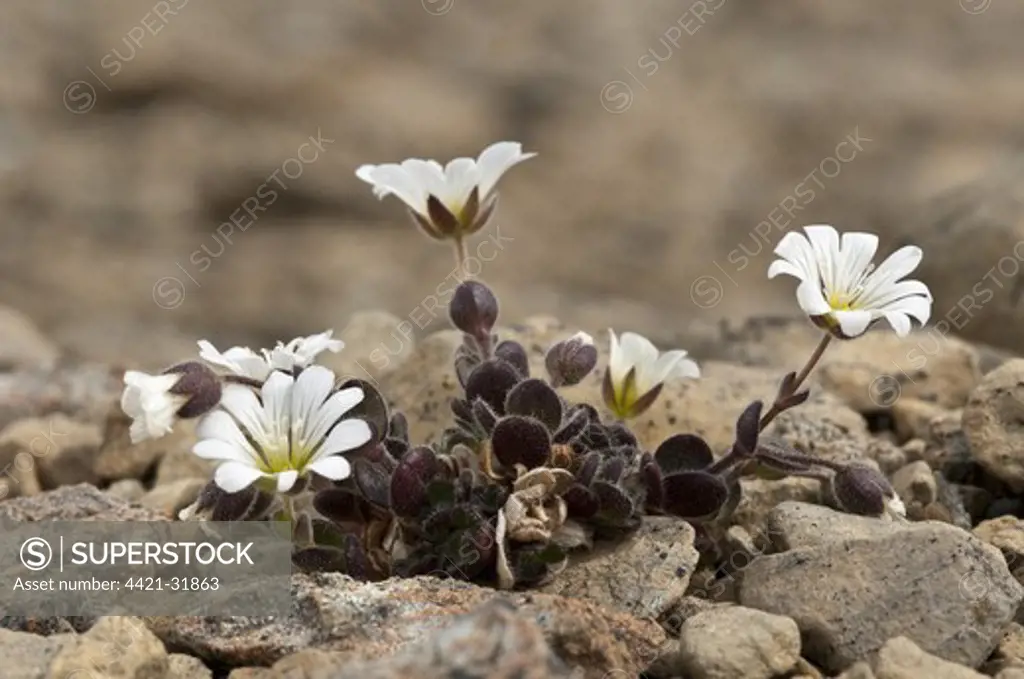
<point>896,266</point>
<point>460,177</point>
<point>810,299</point>
<point>235,476</point>
<point>346,435</point>
<point>854,323</point>
<point>428,176</point>
<point>237,360</point>
<point>496,160</point>
<point>286,480</point>
<point>219,426</point>
<point>312,388</point>
<point>899,321</point>
<point>241,403</point>
<point>277,400</point>
<point>333,467</point>
<point>217,449</point>
<point>391,178</point>
<point>824,241</point>
<point>855,255</point>
<point>796,249</point>
<point>333,410</point>
<point>916,306</point>
<point>784,268</point>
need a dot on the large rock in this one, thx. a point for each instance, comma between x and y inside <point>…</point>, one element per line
<point>74,503</point>
<point>991,422</point>
<point>793,525</point>
<point>493,640</point>
<point>367,621</point>
<point>869,374</point>
<point>943,588</point>
<point>977,293</point>
<point>83,391</point>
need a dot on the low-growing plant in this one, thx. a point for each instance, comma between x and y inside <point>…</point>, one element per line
<point>524,477</point>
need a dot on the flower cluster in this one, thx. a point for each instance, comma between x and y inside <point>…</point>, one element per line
<point>524,477</point>
<point>273,420</point>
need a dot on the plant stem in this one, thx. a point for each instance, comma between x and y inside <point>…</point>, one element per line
<point>242,379</point>
<point>460,255</point>
<point>726,461</point>
<point>778,407</point>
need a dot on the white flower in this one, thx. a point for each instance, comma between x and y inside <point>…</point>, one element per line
<point>302,351</point>
<point>293,428</point>
<point>148,400</point>
<point>840,288</point>
<point>449,201</point>
<point>243,361</point>
<point>895,506</point>
<point>636,373</point>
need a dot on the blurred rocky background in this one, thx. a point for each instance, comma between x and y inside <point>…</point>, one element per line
<point>677,142</point>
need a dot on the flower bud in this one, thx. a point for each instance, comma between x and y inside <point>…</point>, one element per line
<point>569,361</point>
<point>473,309</point>
<point>199,384</point>
<point>859,489</point>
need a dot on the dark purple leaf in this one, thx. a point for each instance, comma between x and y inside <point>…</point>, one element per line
<point>694,495</point>
<point>535,398</point>
<point>520,440</point>
<point>491,381</point>
<point>681,452</point>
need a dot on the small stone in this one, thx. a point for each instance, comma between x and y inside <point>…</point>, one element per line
<point>129,490</point>
<point>915,483</point>
<point>119,458</point>
<point>685,608</point>
<point>22,344</point>
<point>850,597</point>
<point>761,496</point>
<point>18,476</point>
<point>1007,534</point>
<point>1009,654</point>
<point>170,498</point>
<point>901,658</point>
<point>913,417</point>
<point>116,647</point>
<point>645,575</point>
<point>62,450</point>
<point>915,448</point>
<point>860,670</point>
<point>181,666</point>
<point>948,451</point>
<point>27,656</point>
<point>991,422</point>
<point>732,641</point>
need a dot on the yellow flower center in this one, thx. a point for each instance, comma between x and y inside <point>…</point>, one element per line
<point>841,302</point>
<point>625,397</point>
